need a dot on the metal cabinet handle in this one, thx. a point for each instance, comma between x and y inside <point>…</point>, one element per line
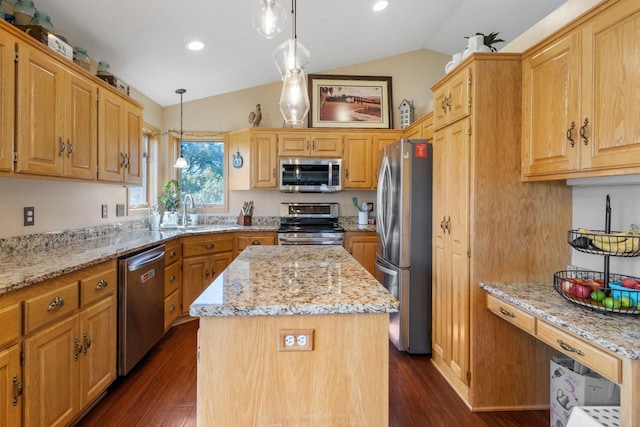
<point>447,225</point>
<point>76,341</point>
<point>569,348</point>
<point>55,303</point>
<point>17,387</point>
<point>583,131</point>
<point>62,147</point>
<point>206,274</point>
<point>213,272</point>
<point>307,145</point>
<point>569,134</point>
<point>442,223</point>
<point>101,284</point>
<point>87,342</point>
<point>172,278</point>
<point>122,160</point>
<point>172,253</point>
<point>313,145</point>
<point>507,313</point>
<point>449,101</point>
<point>256,242</point>
<point>209,246</point>
<point>346,173</point>
<point>274,172</point>
<point>172,308</point>
<point>70,148</point>
<point>444,109</point>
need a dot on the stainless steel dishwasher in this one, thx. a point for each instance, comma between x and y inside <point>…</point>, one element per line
<point>140,305</point>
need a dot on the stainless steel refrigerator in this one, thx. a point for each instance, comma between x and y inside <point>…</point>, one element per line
<point>403,255</point>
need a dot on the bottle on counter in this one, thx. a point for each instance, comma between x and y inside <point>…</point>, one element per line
<point>43,20</point>
<point>23,12</point>
<point>81,58</point>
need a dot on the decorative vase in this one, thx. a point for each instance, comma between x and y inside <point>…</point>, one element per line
<point>170,219</point>
<point>475,44</point>
<point>23,12</point>
<point>455,60</point>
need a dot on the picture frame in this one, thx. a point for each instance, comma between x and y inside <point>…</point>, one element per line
<point>341,101</point>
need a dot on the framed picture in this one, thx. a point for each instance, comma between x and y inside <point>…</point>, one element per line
<point>349,101</point>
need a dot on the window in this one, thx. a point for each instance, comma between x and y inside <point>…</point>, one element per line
<point>140,197</point>
<point>205,178</point>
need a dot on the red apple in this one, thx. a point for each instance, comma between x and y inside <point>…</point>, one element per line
<point>566,285</point>
<point>629,282</point>
<point>581,291</point>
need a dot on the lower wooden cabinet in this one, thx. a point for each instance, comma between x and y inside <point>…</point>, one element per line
<point>254,239</point>
<point>10,387</point>
<point>362,246</point>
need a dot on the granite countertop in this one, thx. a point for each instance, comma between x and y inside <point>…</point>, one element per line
<point>619,333</point>
<point>24,269</point>
<point>287,280</point>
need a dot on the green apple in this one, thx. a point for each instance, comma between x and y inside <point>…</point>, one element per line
<point>625,302</point>
<point>611,302</point>
<point>597,295</point>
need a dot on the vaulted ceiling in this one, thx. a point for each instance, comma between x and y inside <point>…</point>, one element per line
<point>144,40</point>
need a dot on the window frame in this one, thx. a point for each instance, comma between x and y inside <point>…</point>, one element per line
<point>204,137</point>
<point>150,161</point>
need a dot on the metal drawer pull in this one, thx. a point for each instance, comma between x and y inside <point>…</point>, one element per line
<point>172,278</point>
<point>583,133</point>
<point>55,304</point>
<point>101,284</point>
<point>569,348</point>
<point>78,348</point>
<point>62,147</point>
<point>507,313</point>
<point>87,342</point>
<point>255,242</point>
<point>172,308</point>
<point>210,246</point>
<point>172,253</point>
<point>569,132</point>
<point>70,148</point>
<point>18,390</point>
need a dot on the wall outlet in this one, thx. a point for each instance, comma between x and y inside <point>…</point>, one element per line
<point>105,211</point>
<point>29,216</point>
<point>295,339</point>
<point>120,209</point>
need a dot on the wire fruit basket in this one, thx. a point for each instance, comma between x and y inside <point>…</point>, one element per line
<point>587,288</point>
<point>599,242</point>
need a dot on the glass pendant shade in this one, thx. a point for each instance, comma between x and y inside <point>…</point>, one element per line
<point>268,18</point>
<point>294,99</point>
<point>289,56</point>
<point>181,163</point>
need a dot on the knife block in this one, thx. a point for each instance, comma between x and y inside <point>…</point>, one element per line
<point>244,219</point>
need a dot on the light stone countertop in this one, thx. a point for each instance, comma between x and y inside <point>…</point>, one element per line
<point>619,333</point>
<point>293,280</point>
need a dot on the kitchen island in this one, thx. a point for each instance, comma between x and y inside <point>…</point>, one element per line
<point>608,343</point>
<point>294,335</point>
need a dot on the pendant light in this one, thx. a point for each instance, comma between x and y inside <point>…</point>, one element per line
<point>268,18</point>
<point>181,162</point>
<point>294,99</point>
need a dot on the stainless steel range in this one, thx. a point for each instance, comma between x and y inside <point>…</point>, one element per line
<point>309,224</point>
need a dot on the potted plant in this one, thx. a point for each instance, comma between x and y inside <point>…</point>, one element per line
<point>170,202</point>
<point>487,40</point>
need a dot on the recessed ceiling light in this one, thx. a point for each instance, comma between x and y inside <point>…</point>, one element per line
<point>379,5</point>
<point>195,45</point>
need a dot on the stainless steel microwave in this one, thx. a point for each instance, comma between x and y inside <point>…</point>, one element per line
<point>302,175</point>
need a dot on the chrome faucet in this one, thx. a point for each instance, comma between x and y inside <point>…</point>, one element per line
<point>186,220</point>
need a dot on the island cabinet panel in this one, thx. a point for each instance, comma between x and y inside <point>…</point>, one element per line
<point>7,99</point>
<point>580,108</point>
<point>482,212</point>
<point>10,387</point>
<point>343,381</point>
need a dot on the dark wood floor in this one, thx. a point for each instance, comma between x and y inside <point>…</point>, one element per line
<point>161,391</point>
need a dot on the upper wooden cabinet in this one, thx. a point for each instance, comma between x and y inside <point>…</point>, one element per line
<point>357,162</point>
<point>580,103</point>
<point>7,99</point>
<point>452,101</point>
<point>264,167</point>
<point>57,126</point>
<point>119,139</point>
<point>309,144</point>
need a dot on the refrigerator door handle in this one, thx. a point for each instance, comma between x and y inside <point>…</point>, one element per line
<point>383,180</point>
<point>385,270</point>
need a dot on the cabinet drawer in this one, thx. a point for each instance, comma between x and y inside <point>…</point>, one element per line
<point>172,253</point>
<point>511,314</point>
<point>98,286</point>
<point>48,307</point>
<point>172,278</point>
<point>256,239</point>
<point>207,246</point>
<point>171,308</point>
<point>600,361</point>
<point>11,321</point>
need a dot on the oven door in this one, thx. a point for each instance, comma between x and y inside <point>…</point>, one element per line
<point>315,238</point>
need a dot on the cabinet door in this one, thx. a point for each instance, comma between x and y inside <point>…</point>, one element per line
<point>362,246</point>
<point>7,100</point>
<point>294,144</point>
<point>550,113</point>
<point>81,158</point>
<point>326,145</point>
<point>98,325</point>
<point>254,239</point>
<point>459,102</point>
<point>357,161</point>
<point>611,88</point>
<point>51,375</point>
<point>217,264</point>
<point>440,107</point>
<point>10,387</point>
<point>264,161</point>
<point>133,144</point>
<point>195,273</point>
<point>111,134</point>
<point>40,128</point>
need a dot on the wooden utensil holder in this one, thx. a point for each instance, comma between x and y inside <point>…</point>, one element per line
<point>244,219</point>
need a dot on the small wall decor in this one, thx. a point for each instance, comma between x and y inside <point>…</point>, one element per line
<point>406,113</point>
<point>255,117</point>
<point>237,160</point>
<point>350,101</point>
